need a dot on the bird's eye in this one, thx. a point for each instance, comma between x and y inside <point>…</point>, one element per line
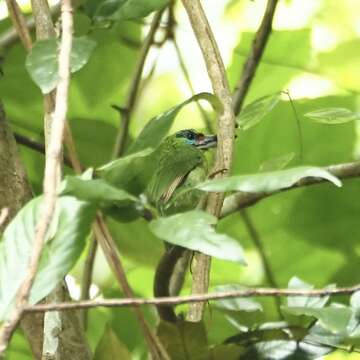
<point>191,136</point>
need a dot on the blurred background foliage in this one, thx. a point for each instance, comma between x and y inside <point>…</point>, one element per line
<point>311,233</point>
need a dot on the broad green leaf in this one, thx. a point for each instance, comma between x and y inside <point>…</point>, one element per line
<point>184,340</point>
<point>333,318</point>
<point>157,128</point>
<point>305,301</point>
<point>94,190</point>
<point>64,244</point>
<point>110,347</point>
<point>333,116</point>
<point>254,112</point>
<point>128,171</point>
<point>194,230</point>
<point>236,304</point>
<point>102,10</point>
<point>135,9</point>
<point>277,163</point>
<point>42,61</point>
<point>267,182</point>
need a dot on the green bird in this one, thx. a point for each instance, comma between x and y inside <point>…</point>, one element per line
<point>179,164</point>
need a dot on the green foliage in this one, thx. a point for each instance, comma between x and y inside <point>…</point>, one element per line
<point>311,233</point>
<point>42,61</point>
<point>267,181</point>
<point>64,244</point>
<point>194,230</point>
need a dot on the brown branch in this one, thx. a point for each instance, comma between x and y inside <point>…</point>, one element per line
<point>226,132</point>
<point>109,249</point>
<point>20,23</point>
<point>51,176</point>
<point>177,300</point>
<point>254,57</point>
<point>126,112</point>
<point>37,146</point>
<point>234,203</point>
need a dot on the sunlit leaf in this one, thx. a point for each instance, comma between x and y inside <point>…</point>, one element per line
<point>236,304</point>
<point>253,113</point>
<point>306,301</point>
<point>42,61</point>
<point>269,181</point>
<point>333,116</point>
<point>157,128</point>
<point>64,244</point>
<point>94,190</point>
<point>333,318</point>
<point>194,230</point>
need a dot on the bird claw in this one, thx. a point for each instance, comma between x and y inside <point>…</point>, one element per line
<point>221,171</point>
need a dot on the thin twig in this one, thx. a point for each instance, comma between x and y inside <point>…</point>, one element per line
<point>37,146</point>
<point>51,176</point>
<point>20,23</point>
<point>234,203</point>
<point>254,235</point>
<point>109,249</point>
<point>126,112</point>
<point>87,277</point>
<point>177,300</point>
<point>226,133</point>
<point>254,58</point>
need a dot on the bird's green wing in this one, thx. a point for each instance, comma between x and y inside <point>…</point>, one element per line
<point>172,170</point>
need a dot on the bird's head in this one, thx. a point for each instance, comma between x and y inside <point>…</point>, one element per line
<point>197,139</point>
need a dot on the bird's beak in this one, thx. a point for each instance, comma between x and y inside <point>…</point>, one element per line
<point>206,142</point>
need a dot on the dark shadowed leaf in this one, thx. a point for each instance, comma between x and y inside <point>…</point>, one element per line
<point>184,340</point>
<point>42,61</point>
<point>110,347</point>
<point>253,113</point>
<point>64,244</point>
<point>194,230</point>
<point>269,181</point>
<point>333,115</point>
<point>236,304</point>
<point>157,128</point>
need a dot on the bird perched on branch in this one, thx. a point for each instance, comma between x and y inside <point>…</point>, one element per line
<point>180,165</point>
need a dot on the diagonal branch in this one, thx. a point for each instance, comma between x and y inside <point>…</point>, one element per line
<point>253,60</point>
<point>126,112</point>
<point>176,300</point>
<point>226,133</point>
<point>51,176</point>
<point>234,203</point>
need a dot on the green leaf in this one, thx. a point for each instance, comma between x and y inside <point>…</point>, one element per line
<point>157,128</point>
<point>333,318</point>
<point>184,340</point>
<point>102,10</point>
<point>95,191</point>
<point>64,244</point>
<point>277,163</point>
<point>236,304</point>
<point>267,182</point>
<point>194,230</point>
<point>333,116</point>
<point>42,61</point>
<point>306,301</point>
<point>135,9</point>
<point>110,347</point>
<point>253,113</point>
